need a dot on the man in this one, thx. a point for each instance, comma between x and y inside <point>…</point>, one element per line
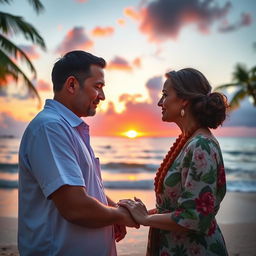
<point>63,209</point>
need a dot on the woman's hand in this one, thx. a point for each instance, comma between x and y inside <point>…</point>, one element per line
<point>137,209</point>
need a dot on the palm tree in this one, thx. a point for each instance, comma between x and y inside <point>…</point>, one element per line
<point>244,82</point>
<point>10,53</point>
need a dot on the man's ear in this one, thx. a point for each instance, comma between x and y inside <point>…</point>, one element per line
<point>71,84</point>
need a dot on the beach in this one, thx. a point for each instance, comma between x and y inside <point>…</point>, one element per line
<point>236,218</point>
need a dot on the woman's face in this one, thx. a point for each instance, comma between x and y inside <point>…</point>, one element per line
<point>171,105</point>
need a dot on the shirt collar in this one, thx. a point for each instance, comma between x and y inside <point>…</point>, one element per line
<point>66,113</point>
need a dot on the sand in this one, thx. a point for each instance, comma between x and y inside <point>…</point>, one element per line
<point>237,219</point>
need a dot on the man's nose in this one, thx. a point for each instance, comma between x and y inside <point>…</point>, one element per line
<point>102,95</point>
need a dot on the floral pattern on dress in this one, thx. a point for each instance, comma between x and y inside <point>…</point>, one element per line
<point>193,189</point>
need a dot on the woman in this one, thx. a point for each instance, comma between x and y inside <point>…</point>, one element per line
<point>190,183</point>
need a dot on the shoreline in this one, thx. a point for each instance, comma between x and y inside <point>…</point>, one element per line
<point>236,218</point>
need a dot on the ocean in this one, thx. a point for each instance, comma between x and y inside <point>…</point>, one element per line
<point>132,163</point>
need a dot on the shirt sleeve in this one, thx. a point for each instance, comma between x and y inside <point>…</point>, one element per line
<point>200,198</point>
<point>53,158</point>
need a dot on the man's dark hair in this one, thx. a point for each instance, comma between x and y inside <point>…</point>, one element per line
<point>75,63</point>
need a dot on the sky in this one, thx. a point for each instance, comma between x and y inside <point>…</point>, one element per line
<point>141,41</point>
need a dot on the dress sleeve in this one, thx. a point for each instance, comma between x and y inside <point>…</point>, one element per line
<point>53,159</point>
<point>202,184</point>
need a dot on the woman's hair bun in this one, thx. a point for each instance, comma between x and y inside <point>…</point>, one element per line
<point>210,110</point>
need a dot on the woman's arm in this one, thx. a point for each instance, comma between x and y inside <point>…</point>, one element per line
<point>141,216</point>
<point>163,221</point>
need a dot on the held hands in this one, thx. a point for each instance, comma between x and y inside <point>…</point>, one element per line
<point>127,218</point>
<point>137,209</point>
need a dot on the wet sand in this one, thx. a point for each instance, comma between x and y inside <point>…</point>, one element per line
<point>237,219</point>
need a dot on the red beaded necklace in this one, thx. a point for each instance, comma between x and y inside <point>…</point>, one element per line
<point>168,161</point>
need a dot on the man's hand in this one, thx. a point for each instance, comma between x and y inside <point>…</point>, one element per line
<point>120,232</point>
<point>127,218</point>
<point>137,209</point>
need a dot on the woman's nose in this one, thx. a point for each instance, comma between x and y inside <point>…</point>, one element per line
<point>160,103</point>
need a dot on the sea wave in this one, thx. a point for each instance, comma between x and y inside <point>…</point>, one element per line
<point>241,186</point>
<point>232,186</point>
<point>8,184</point>
<point>9,168</point>
<point>236,153</point>
<point>129,167</point>
<point>128,184</point>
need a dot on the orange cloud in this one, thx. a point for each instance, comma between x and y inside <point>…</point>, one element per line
<point>41,85</point>
<point>142,116</point>
<point>4,82</point>
<point>145,117</point>
<point>81,1</point>
<point>100,31</point>
<point>119,63</point>
<point>76,38</point>
<point>130,12</point>
<point>137,62</point>
<point>121,22</point>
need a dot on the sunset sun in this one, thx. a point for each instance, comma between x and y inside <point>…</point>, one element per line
<point>131,134</point>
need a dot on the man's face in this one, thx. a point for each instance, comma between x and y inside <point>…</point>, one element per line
<point>90,93</point>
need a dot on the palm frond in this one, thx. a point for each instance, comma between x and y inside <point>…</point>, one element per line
<point>16,24</point>
<point>12,50</point>
<point>240,74</point>
<point>226,86</point>
<point>237,97</point>
<point>37,5</point>
<point>7,66</point>
<point>253,73</point>
<point>5,1</point>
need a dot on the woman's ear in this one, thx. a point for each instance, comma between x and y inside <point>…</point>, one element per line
<point>184,103</point>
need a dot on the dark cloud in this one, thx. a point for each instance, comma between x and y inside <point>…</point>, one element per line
<point>154,86</point>
<point>243,116</point>
<point>11,126</point>
<point>3,92</point>
<point>245,20</point>
<point>164,19</point>
<point>76,38</point>
<point>119,63</point>
<point>21,94</point>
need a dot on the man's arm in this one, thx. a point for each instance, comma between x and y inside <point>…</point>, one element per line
<point>76,206</point>
<point>111,202</point>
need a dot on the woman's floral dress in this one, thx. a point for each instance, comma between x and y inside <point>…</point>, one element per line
<point>192,191</point>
